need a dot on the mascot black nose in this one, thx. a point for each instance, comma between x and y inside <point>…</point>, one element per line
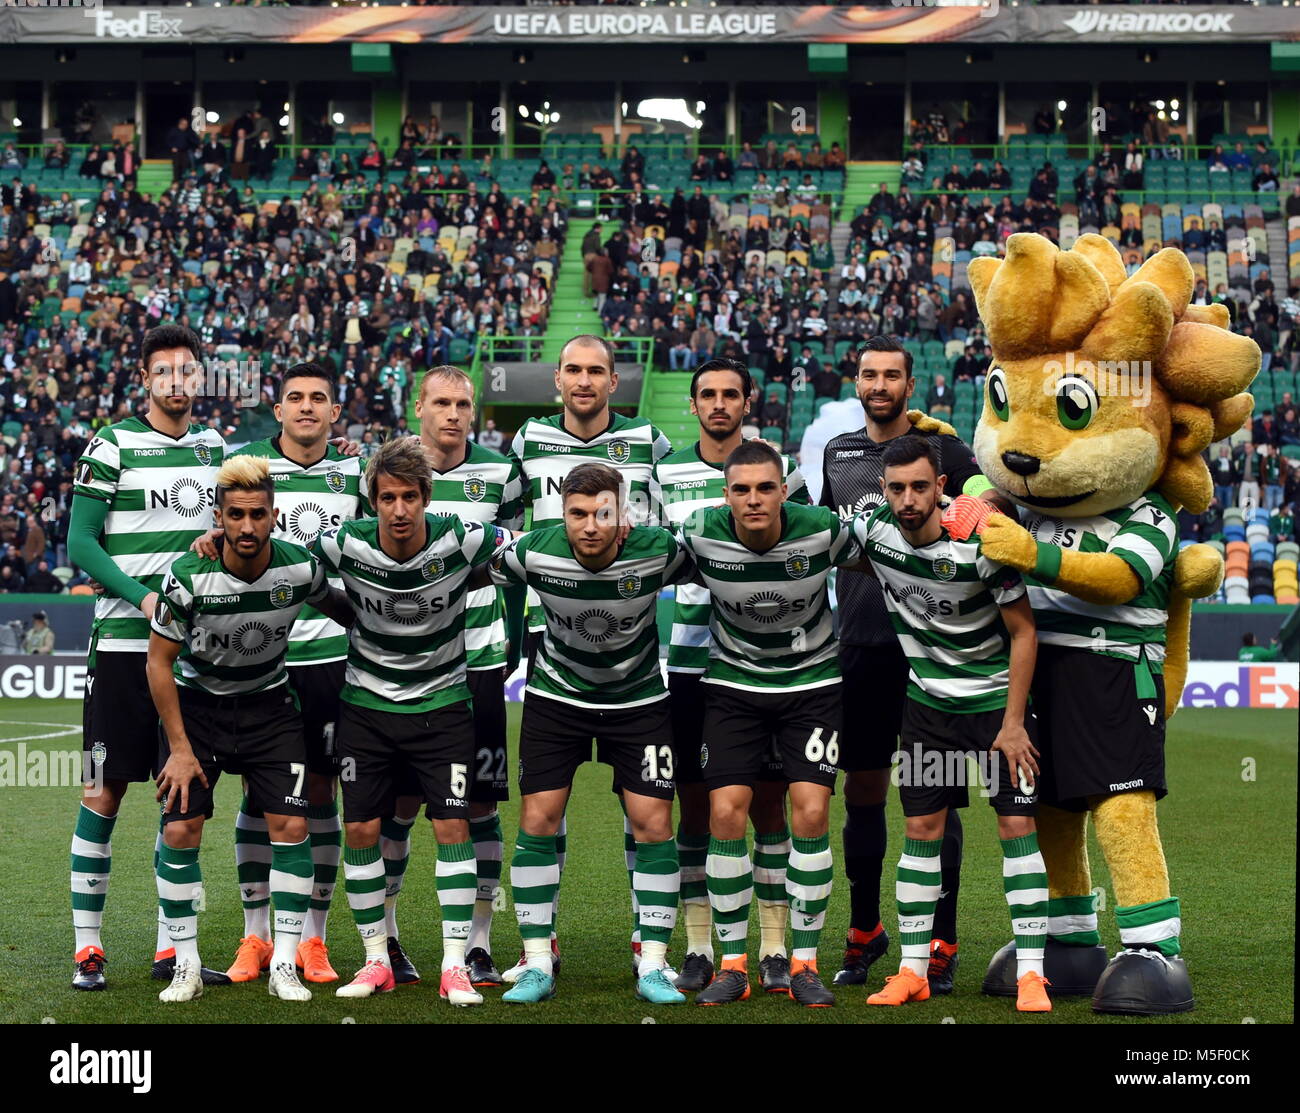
<point>1019,463</point>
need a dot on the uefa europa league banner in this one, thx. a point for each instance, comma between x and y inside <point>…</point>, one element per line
<point>904,21</point>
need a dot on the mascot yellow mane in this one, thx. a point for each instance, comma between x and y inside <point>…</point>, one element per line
<point>1166,376</point>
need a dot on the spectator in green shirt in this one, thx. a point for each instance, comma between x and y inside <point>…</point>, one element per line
<point>1249,651</point>
<point>1281,524</point>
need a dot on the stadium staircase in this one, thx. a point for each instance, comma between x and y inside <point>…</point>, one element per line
<point>665,403</point>
<point>862,180</point>
<point>571,311</point>
<point>155,176</point>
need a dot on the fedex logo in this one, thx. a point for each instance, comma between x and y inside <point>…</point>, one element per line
<point>1239,684</point>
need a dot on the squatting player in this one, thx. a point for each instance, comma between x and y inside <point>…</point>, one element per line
<point>773,680</point>
<point>874,667</point>
<point>405,702</point>
<point>685,482</point>
<point>317,487</point>
<point>143,492</point>
<point>546,448</point>
<point>472,483</point>
<point>596,675</point>
<point>965,626</point>
<point>216,667</point>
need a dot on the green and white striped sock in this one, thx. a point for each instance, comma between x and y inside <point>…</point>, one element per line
<point>291,892</point>
<point>162,947</point>
<point>485,833</point>
<point>534,880</point>
<point>808,886</point>
<point>90,862</point>
<point>561,852</point>
<point>1024,881</point>
<point>692,851</point>
<point>1155,925</point>
<point>325,831</point>
<point>1073,920</point>
<point>395,843</point>
<point>180,895</point>
<point>917,890</point>
<point>771,861</point>
<point>253,868</point>
<point>656,883</point>
<point>730,879</point>
<point>456,879</point>
<point>363,880</point>
<point>629,860</point>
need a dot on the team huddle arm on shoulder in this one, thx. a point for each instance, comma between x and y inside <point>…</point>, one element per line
<point>86,550</point>
<point>796,490</point>
<point>854,558</point>
<point>330,601</point>
<point>680,568</point>
<point>510,514</point>
<point>662,446</point>
<point>507,566</point>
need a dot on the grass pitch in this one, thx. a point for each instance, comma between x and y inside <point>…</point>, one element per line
<point>1228,828</point>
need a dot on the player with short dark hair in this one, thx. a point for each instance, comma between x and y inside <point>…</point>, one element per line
<point>142,493</point>
<point>596,675</point>
<point>772,681</point>
<point>217,675</point>
<point>683,484</point>
<point>405,701</point>
<point>966,629</point>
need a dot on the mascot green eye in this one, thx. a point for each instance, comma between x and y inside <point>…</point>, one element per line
<point>998,397</point>
<point>1076,402</point>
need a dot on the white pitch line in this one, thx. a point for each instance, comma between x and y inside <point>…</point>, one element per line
<point>65,732</point>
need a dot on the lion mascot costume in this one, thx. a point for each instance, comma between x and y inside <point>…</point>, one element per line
<point>1103,393</point>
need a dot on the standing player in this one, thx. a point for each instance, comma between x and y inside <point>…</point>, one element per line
<point>472,483</point>
<point>596,675</point>
<point>772,681</point>
<point>874,667</point>
<point>546,448</point>
<point>143,492</point>
<point>966,629</point>
<point>405,703</point>
<point>217,675</point>
<point>317,488</point>
<point>683,483</point>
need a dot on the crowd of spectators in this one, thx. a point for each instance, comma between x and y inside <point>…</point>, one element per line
<point>376,279</point>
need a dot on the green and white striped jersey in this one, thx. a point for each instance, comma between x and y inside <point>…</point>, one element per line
<point>236,633</point>
<point>770,622</point>
<point>407,650</point>
<point>484,487</point>
<point>943,602</point>
<point>1144,534</point>
<point>601,645</point>
<point>546,451</point>
<point>681,484</point>
<point>309,501</point>
<point>160,492</point>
